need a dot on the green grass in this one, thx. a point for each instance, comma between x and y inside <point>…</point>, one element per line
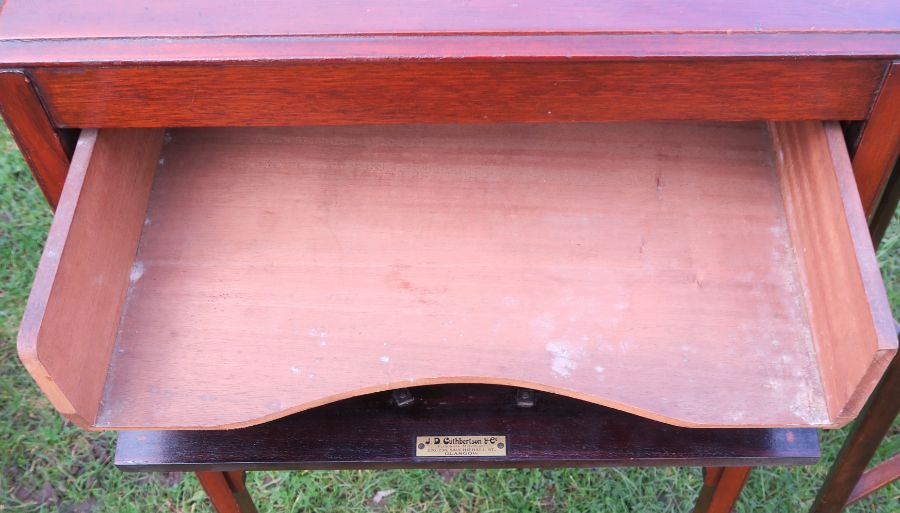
<point>46,464</point>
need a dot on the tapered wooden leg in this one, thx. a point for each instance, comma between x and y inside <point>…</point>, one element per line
<point>721,488</point>
<point>861,444</point>
<point>884,212</point>
<point>227,491</point>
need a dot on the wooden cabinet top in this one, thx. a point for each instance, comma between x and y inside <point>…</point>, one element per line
<point>55,31</point>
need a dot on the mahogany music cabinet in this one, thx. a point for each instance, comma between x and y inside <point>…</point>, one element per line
<point>427,214</point>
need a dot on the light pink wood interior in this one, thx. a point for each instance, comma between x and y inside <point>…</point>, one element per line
<point>648,267</point>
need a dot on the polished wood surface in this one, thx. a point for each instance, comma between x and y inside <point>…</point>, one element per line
<point>33,31</point>
<point>721,488</point>
<point>453,91</point>
<point>879,141</point>
<point>868,432</point>
<point>69,327</point>
<point>606,47</point>
<point>854,338</point>
<point>883,215</point>
<point>876,478</point>
<point>450,66</point>
<point>370,432</point>
<point>168,63</point>
<point>227,491</point>
<point>34,133</point>
<point>65,19</point>
<point>567,258</point>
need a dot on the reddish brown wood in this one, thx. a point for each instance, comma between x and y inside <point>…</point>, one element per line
<point>418,247</point>
<point>603,304</point>
<point>328,67</point>
<point>35,135</point>
<point>660,46</point>
<point>854,338</point>
<point>56,31</point>
<point>884,214</point>
<point>236,479</point>
<point>69,327</point>
<point>369,431</point>
<point>861,444</point>
<point>57,19</point>
<point>226,491</point>
<point>332,437</point>
<point>876,478</point>
<point>711,477</point>
<point>454,91</point>
<point>879,142</point>
<point>721,489</point>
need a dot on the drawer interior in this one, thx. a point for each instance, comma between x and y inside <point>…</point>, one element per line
<point>695,273</point>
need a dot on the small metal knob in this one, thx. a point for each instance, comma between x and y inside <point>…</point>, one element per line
<point>402,397</point>
<point>524,397</point>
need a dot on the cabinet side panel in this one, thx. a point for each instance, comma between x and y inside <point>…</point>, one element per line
<point>70,322</point>
<point>879,142</point>
<point>35,135</point>
<point>847,304</point>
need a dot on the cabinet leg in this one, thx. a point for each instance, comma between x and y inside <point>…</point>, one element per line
<point>862,442</point>
<point>721,488</point>
<point>227,491</point>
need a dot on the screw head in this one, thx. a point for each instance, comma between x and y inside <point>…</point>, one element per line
<point>524,397</point>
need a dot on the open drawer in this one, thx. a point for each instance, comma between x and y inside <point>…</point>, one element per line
<point>698,274</point>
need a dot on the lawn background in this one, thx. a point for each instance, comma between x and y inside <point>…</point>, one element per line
<point>47,464</point>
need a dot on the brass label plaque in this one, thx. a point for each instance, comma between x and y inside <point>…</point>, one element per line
<point>460,446</point>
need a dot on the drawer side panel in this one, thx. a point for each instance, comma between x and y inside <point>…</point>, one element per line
<point>847,303</point>
<point>70,322</point>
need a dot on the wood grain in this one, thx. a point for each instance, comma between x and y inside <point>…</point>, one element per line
<point>642,46</point>
<point>69,327</point>
<point>454,91</point>
<point>557,432</point>
<point>328,262</point>
<point>881,218</point>
<point>879,143</point>
<point>876,478</point>
<point>721,489</point>
<point>221,491</point>
<point>854,336</point>
<point>68,19</point>
<point>597,261</point>
<point>861,443</point>
<point>33,132</point>
<point>55,32</point>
